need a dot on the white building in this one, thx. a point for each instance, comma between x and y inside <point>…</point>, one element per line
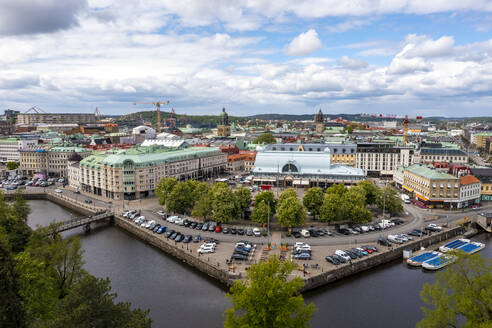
<point>9,148</point>
<point>470,188</point>
<point>382,159</point>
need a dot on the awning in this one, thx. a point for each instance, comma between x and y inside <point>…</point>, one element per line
<point>422,197</point>
<point>264,179</point>
<point>406,188</point>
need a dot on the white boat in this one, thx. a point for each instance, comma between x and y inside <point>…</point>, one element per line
<point>454,245</point>
<point>472,247</point>
<point>419,259</point>
<point>438,262</point>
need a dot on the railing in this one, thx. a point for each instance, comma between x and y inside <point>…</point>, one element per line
<point>74,223</point>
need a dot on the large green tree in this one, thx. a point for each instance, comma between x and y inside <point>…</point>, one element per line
<point>390,201</point>
<point>180,199</point>
<point>243,199</point>
<point>13,223</point>
<point>372,191</point>
<point>332,208</point>
<point>203,206</point>
<point>313,200</point>
<point>12,165</point>
<point>200,189</point>
<point>269,198</point>
<point>268,298</point>
<point>291,213</point>
<point>91,304</point>
<point>287,193</point>
<point>461,291</point>
<point>164,188</point>
<point>12,313</point>
<point>338,189</point>
<point>261,213</point>
<point>265,138</point>
<point>224,204</point>
<point>19,207</point>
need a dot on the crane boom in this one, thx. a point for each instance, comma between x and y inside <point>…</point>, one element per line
<point>157,104</point>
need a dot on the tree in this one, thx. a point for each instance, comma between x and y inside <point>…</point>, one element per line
<point>462,290</point>
<point>338,189</point>
<point>265,138</point>
<point>269,198</point>
<point>372,192</point>
<point>291,213</point>
<point>268,299</point>
<point>19,207</point>
<point>91,304</point>
<point>313,200</point>
<point>203,206</point>
<point>331,210</point>
<point>223,204</point>
<point>261,213</point>
<point>164,188</point>
<point>12,313</point>
<point>360,214</point>
<point>200,189</point>
<point>14,224</point>
<point>180,199</point>
<point>243,198</point>
<point>390,201</point>
<point>12,165</point>
<point>349,129</point>
<point>287,193</point>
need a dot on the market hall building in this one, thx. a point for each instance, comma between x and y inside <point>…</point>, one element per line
<point>301,165</point>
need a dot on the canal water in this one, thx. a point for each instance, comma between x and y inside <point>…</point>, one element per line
<point>179,296</point>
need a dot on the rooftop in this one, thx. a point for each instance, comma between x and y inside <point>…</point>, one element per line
<point>429,172</point>
<point>469,179</point>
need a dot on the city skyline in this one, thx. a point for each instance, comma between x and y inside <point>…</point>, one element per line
<point>410,57</point>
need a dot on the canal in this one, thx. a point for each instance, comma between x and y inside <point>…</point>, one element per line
<point>179,296</point>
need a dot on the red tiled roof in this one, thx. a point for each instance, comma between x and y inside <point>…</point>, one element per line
<point>469,179</point>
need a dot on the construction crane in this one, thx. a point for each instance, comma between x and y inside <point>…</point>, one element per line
<point>35,109</point>
<point>157,104</point>
<point>171,121</point>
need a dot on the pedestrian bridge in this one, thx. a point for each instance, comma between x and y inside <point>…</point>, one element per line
<point>84,222</point>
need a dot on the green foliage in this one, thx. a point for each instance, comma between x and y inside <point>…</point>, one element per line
<point>265,138</point>
<point>180,199</point>
<point>224,203</point>
<point>243,199</point>
<point>338,189</point>
<point>268,299</point>
<point>462,290</point>
<point>203,206</point>
<point>12,165</point>
<point>13,223</point>
<point>164,188</point>
<point>291,213</point>
<point>390,200</point>
<point>372,192</point>
<point>11,309</point>
<point>269,198</point>
<point>261,213</point>
<point>313,200</point>
<point>287,193</point>
<point>20,206</point>
<point>200,189</point>
<point>91,304</point>
<point>342,204</point>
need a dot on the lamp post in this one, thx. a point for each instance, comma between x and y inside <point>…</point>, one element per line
<point>268,219</point>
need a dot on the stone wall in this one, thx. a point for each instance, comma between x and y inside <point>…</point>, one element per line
<point>376,259</point>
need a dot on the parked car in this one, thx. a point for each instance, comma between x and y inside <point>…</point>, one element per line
<point>88,201</point>
<point>302,256</point>
<point>343,254</point>
<point>332,260</point>
<point>162,230</point>
<point>233,231</point>
<point>305,233</point>
<point>256,232</point>
<point>179,238</point>
<point>240,231</point>
<point>226,230</point>
<point>218,229</point>
<point>199,226</point>
<point>383,241</point>
<point>239,257</point>
<point>339,258</point>
<point>249,232</point>
<point>296,234</point>
<point>197,239</point>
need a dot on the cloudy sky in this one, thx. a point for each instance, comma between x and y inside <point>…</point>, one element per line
<point>416,57</point>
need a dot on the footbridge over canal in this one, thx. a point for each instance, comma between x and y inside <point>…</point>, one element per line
<point>85,222</point>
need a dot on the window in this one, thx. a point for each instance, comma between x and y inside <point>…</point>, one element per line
<point>289,168</point>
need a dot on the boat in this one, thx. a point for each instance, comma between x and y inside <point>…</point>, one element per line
<point>419,259</point>
<point>438,262</point>
<point>453,245</point>
<point>472,247</point>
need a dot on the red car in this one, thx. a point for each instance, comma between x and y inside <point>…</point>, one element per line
<point>367,250</point>
<point>218,229</point>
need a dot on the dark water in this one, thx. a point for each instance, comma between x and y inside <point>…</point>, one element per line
<point>178,296</point>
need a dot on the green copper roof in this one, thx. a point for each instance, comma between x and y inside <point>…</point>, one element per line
<point>146,156</point>
<point>69,149</point>
<point>429,172</point>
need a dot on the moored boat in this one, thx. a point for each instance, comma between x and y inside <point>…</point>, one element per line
<point>472,247</point>
<point>419,259</point>
<point>438,262</point>
<point>453,245</point>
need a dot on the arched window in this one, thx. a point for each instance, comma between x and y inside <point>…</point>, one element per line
<point>289,168</point>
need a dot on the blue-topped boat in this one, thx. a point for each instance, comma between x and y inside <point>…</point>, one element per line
<point>454,245</point>
<point>438,262</point>
<point>419,259</point>
<point>472,247</point>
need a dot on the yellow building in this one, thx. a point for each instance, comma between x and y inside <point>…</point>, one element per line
<point>485,177</point>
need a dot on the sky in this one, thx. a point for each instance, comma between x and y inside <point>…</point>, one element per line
<point>398,57</point>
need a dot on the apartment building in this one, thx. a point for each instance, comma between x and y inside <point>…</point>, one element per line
<point>49,161</point>
<point>448,155</point>
<point>55,118</point>
<point>382,159</point>
<point>485,177</point>
<point>241,162</point>
<point>134,173</point>
<point>10,148</point>
<point>432,187</point>
<point>469,191</point>
<point>343,154</point>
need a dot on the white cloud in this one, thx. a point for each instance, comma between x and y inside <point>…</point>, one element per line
<point>351,63</point>
<point>421,46</point>
<point>304,44</point>
<point>349,24</point>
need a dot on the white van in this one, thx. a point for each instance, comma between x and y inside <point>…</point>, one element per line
<point>405,198</point>
<point>305,233</point>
